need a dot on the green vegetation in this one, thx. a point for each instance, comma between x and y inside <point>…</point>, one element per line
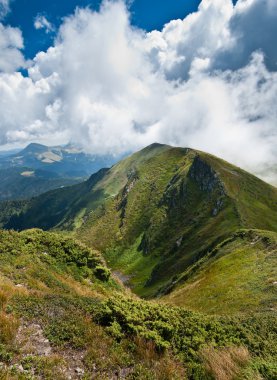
<point>240,273</point>
<point>182,227</point>
<point>174,208</point>
<point>57,317</point>
<point>156,213</point>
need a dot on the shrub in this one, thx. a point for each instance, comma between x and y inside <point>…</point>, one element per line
<point>102,273</point>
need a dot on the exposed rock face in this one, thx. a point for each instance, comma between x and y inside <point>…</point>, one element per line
<point>208,181</point>
<point>132,179</point>
<point>204,176</point>
<point>218,206</point>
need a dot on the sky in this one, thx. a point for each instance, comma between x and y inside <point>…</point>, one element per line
<point>114,76</point>
<point>145,14</point>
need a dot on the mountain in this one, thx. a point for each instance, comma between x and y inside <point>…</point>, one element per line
<point>38,168</point>
<point>158,213</point>
<point>189,231</point>
<point>67,161</point>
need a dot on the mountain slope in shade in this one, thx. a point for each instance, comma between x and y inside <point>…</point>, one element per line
<point>158,212</point>
<point>24,183</point>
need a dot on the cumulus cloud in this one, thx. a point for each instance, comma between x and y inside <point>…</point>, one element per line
<point>253,26</point>
<point>112,88</point>
<point>11,43</point>
<point>41,22</point>
<point>199,36</point>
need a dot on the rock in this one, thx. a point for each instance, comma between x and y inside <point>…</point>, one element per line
<point>218,206</point>
<point>79,371</point>
<point>33,340</point>
<point>205,176</point>
<point>19,367</point>
<point>179,241</point>
<point>124,372</point>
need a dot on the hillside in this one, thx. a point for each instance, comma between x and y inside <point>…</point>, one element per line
<point>63,316</point>
<point>238,275</point>
<point>39,168</point>
<point>157,213</point>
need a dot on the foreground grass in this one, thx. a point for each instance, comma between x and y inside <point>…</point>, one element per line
<point>62,315</point>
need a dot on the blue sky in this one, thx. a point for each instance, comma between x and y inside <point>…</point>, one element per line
<point>146,14</point>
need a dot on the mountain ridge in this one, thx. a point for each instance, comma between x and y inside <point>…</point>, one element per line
<point>157,212</point>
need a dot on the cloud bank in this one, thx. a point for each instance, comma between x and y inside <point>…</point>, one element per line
<point>208,82</point>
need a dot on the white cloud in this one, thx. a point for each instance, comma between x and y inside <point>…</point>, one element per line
<point>112,88</point>
<point>253,26</point>
<point>4,8</point>
<point>11,42</point>
<point>199,36</point>
<point>41,22</point>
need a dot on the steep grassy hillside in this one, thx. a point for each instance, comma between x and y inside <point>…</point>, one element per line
<point>156,213</point>
<point>174,208</point>
<point>239,275</point>
<point>62,316</point>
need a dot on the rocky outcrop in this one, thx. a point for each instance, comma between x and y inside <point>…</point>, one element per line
<point>175,193</point>
<point>205,176</point>
<point>208,182</point>
<point>132,179</point>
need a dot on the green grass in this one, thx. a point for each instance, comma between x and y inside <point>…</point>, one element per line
<point>237,277</point>
<point>137,267</point>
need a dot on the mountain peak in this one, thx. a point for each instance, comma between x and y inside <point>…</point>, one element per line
<point>34,148</point>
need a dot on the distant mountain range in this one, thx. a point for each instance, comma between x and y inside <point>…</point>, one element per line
<point>39,168</point>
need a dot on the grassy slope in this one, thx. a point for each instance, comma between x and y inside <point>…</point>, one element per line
<point>239,275</point>
<point>58,318</point>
